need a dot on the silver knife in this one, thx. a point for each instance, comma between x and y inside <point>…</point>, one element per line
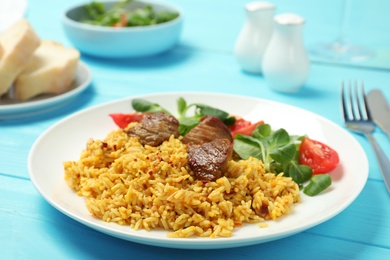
<point>379,109</point>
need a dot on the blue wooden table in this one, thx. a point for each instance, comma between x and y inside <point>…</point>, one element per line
<point>30,228</point>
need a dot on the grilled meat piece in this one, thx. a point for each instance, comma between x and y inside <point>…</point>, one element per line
<point>209,129</point>
<point>208,160</point>
<point>155,128</point>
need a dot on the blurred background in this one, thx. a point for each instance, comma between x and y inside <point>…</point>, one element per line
<point>323,24</point>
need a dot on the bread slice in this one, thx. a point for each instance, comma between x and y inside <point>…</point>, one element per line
<point>18,44</point>
<point>1,51</point>
<point>52,69</point>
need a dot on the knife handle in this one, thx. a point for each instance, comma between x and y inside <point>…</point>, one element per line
<point>384,163</point>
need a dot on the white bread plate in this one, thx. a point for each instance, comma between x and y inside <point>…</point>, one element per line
<point>13,109</point>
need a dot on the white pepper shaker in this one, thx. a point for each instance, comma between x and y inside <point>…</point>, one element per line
<point>253,39</point>
<point>286,64</point>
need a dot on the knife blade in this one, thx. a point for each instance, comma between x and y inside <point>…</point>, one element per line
<point>379,109</point>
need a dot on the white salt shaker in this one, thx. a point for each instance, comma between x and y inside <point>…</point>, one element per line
<point>286,64</point>
<point>253,39</point>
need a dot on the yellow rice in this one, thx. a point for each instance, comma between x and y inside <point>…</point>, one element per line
<point>152,187</point>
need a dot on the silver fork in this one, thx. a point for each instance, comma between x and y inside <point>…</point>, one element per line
<point>357,118</point>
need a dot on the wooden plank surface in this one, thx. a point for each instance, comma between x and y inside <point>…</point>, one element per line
<point>30,228</point>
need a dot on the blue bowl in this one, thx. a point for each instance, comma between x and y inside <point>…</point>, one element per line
<point>125,42</point>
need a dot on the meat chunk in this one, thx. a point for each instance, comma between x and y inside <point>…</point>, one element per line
<point>208,160</point>
<point>209,148</point>
<point>155,128</point>
<point>209,129</point>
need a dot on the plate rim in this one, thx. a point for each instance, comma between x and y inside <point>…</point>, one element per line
<point>185,243</point>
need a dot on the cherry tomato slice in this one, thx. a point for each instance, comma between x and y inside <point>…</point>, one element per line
<point>122,22</point>
<point>240,122</point>
<point>320,157</point>
<point>123,120</point>
<point>244,128</point>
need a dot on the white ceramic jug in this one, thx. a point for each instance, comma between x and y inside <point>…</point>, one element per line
<point>286,64</point>
<point>254,36</point>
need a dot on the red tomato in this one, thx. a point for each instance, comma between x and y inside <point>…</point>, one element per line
<point>240,122</point>
<point>124,19</point>
<point>122,120</point>
<point>320,157</point>
<point>244,127</point>
<point>122,22</point>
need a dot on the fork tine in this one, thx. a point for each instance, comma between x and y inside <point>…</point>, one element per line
<point>358,100</point>
<point>361,102</point>
<point>353,101</point>
<point>343,103</point>
<point>359,92</point>
<point>364,102</point>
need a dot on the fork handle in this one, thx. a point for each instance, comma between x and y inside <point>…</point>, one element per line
<point>384,163</point>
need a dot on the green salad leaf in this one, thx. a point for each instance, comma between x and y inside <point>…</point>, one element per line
<point>277,149</point>
<point>186,122</point>
<point>96,14</point>
<point>317,184</point>
<point>141,105</point>
<point>201,110</point>
<point>280,153</point>
<point>94,10</point>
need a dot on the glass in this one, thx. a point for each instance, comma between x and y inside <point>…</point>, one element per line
<point>341,49</point>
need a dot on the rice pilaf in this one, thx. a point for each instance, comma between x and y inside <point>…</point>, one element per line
<point>149,187</point>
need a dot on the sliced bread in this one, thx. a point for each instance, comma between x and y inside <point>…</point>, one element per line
<point>18,44</point>
<point>52,69</point>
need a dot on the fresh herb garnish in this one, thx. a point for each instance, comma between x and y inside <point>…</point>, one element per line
<point>144,106</point>
<point>317,184</point>
<point>121,16</point>
<point>186,122</point>
<point>269,146</point>
<point>279,152</point>
<point>189,122</point>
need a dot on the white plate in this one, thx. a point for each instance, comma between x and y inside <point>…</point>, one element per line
<point>43,103</point>
<point>11,11</point>
<point>349,178</point>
